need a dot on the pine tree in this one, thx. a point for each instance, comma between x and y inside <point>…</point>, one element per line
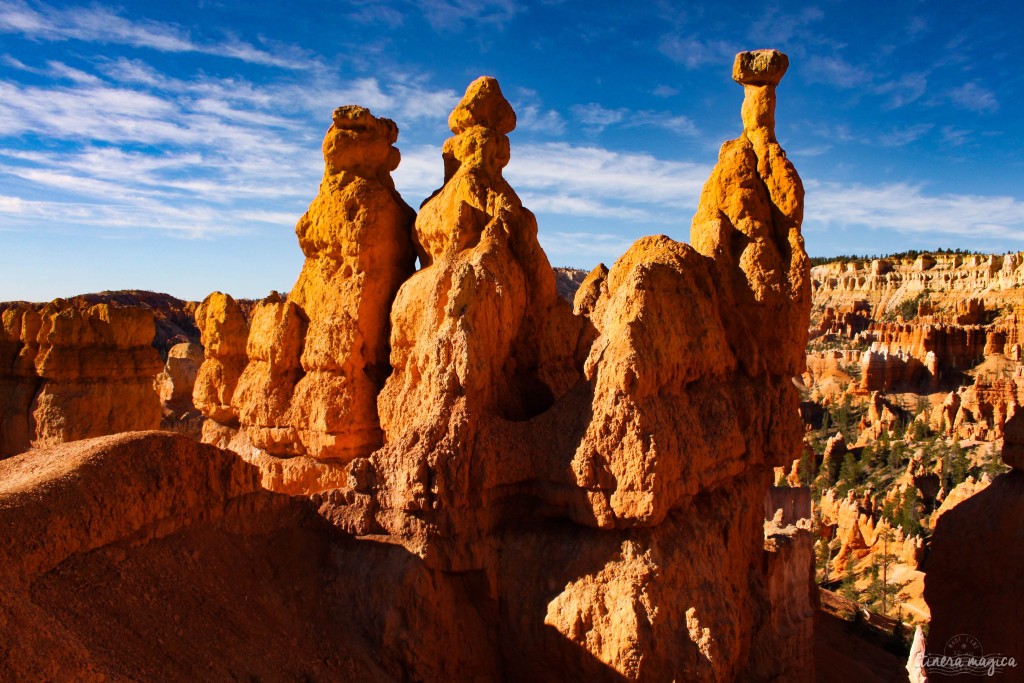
<point>882,592</point>
<point>849,474</point>
<point>848,588</point>
<point>908,515</point>
<point>806,469</point>
<point>955,465</point>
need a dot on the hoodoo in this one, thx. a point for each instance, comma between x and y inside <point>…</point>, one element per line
<point>318,358</point>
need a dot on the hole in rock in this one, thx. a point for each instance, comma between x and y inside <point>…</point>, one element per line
<point>526,396</point>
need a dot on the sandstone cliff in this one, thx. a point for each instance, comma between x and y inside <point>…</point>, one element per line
<point>951,281</point>
<point>72,371</point>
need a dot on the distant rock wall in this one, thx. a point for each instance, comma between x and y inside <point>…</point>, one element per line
<point>996,280</point>
<point>71,372</point>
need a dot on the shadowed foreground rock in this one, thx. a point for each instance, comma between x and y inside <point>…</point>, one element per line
<point>551,495</point>
<point>164,560</point>
<point>972,581</point>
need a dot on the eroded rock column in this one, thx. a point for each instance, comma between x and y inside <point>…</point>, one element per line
<point>318,357</point>
<point>223,330</point>
<point>356,238</point>
<point>479,334</point>
<point>749,218</point>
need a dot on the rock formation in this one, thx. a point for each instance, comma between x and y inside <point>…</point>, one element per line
<point>71,372</point>
<point>175,385</point>
<point>568,281</point>
<point>224,329</point>
<point>502,405</point>
<point>149,556</point>
<point>19,381</point>
<point>550,496</point>
<point>317,359</point>
<point>947,328</point>
<point>972,583</point>
<point>750,214</point>
<point>954,282</point>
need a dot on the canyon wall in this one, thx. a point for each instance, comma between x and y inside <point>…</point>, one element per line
<point>73,370</point>
<point>950,280</point>
<point>943,323</point>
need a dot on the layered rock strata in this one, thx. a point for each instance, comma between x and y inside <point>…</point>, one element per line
<point>71,372</point>
<point>950,280</point>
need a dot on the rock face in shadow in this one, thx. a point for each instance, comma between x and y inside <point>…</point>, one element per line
<point>165,560</point>
<point>175,385</point>
<point>551,495</point>
<point>972,580</point>
<point>70,371</point>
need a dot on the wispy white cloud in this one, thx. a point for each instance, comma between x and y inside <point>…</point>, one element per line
<point>583,249</point>
<point>899,137</point>
<point>596,118</point>
<point>455,14</point>
<point>533,118</point>
<point>97,24</point>
<point>606,177</point>
<point>909,209</point>
<point>232,153</point>
<point>375,12</point>
<point>420,172</point>
<point>676,123</point>
<point>693,53</point>
<point>559,179</point>
<point>110,219</point>
<point>974,97</point>
<point>907,88</point>
<point>531,115</point>
<point>591,207</point>
<point>951,135</point>
<point>836,71</point>
<point>776,27</point>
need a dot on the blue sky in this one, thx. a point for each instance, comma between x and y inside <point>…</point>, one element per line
<point>173,145</point>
